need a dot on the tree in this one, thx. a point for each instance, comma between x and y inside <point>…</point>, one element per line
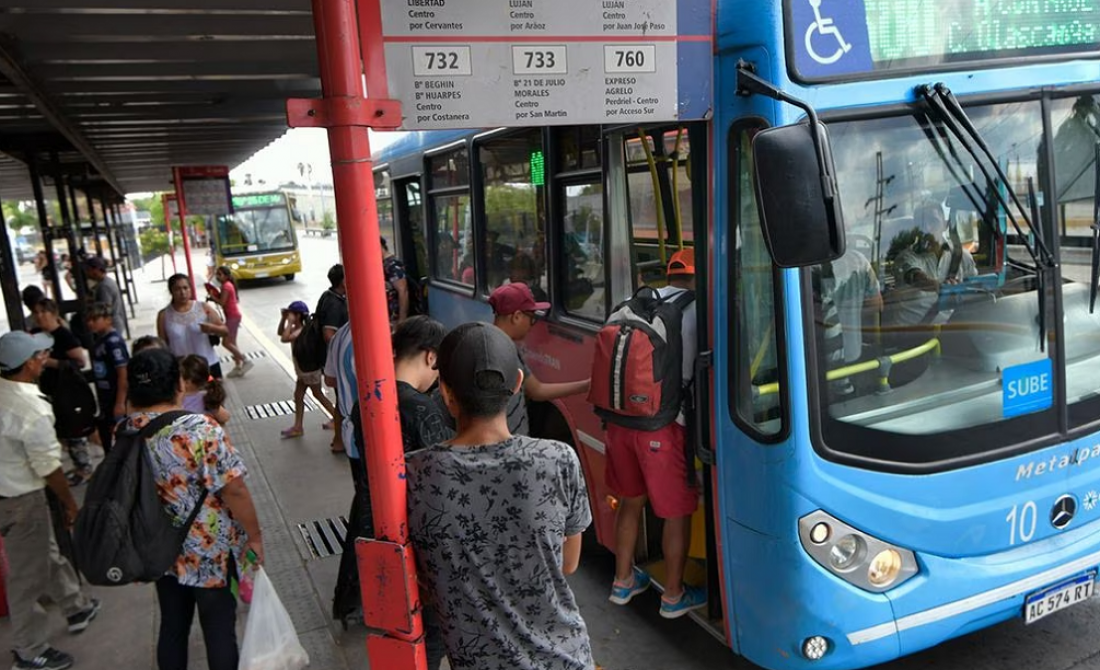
<point>153,243</point>
<point>17,218</point>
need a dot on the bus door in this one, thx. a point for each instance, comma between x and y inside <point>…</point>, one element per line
<point>410,245</point>
<point>663,194</point>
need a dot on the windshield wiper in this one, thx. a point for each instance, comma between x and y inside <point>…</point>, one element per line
<point>947,109</point>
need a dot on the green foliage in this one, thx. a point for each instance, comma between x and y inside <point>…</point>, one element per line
<point>18,218</point>
<point>153,243</point>
<point>328,223</point>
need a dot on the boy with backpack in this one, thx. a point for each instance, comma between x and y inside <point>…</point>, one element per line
<point>109,360</point>
<point>398,297</point>
<point>645,358</point>
<point>496,521</point>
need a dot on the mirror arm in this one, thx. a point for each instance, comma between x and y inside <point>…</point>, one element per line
<point>748,83</point>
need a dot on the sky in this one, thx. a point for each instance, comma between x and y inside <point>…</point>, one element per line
<point>278,162</point>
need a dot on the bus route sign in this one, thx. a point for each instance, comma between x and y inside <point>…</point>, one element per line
<point>484,63</point>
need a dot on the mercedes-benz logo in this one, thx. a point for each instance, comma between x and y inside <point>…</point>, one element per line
<point>1065,508</point>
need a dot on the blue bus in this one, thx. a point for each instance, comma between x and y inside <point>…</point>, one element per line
<point>894,209</point>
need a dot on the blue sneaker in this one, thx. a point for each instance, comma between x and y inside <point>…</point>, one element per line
<point>693,598</point>
<point>621,595</point>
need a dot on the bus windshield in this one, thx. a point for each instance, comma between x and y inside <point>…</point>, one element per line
<point>934,308</point>
<point>251,231</point>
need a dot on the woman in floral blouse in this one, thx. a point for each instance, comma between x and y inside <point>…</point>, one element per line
<point>193,456</point>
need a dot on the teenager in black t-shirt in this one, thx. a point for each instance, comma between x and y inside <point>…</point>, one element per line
<point>415,344</point>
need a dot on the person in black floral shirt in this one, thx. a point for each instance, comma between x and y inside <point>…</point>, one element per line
<point>496,521</point>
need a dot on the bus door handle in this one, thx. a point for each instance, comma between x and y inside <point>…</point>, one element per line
<point>700,409</point>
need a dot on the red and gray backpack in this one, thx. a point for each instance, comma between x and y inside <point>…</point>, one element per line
<point>637,371</point>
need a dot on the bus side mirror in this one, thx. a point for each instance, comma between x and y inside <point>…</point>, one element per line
<point>799,205</point>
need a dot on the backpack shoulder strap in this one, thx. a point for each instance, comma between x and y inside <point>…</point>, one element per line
<point>681,300</point>
<point>160,422</point>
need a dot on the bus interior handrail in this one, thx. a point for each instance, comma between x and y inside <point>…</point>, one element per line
<point>883,362</point>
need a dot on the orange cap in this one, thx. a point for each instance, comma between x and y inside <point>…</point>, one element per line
<point>682,263</point>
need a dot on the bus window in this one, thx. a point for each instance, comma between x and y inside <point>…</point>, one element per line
<point>757,394</point>
<point>582,251</point>
<point>384,200</point>
<point>661,207</point>
<point>514,173</point>
<point>578,148</point>
<point>449,190</point>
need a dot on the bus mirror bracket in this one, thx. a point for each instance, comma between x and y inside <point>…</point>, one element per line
<point>796,189</point>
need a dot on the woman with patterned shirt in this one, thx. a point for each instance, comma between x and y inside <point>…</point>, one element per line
<point>195,464</point>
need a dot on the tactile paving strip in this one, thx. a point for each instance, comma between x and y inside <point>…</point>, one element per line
<point>278,408</point>
<point>324,537</point>
<point>250,356</point>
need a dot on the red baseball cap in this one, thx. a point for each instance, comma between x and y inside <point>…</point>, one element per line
<point>517,297</point>
<point>682,262</point>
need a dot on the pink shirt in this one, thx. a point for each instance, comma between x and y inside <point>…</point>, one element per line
<point>232,309</point>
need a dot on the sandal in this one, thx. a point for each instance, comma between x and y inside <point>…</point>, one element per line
<point>326,425</point>
<point>291,432</point>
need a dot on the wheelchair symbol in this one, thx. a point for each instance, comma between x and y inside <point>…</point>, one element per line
<point>823,26</point>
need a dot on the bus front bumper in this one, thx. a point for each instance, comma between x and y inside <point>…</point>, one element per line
<point>948,598</point>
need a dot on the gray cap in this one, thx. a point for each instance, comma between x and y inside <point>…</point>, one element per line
<point>17,347</point>
<point>479,360</point>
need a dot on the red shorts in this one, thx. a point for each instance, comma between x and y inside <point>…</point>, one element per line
<point>651,463</point>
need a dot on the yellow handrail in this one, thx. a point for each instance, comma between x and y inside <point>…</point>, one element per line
<point>865,366</point>
<point>658,200</point>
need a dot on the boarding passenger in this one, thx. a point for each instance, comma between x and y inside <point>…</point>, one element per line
<point>195,464</point>
<point>496,521</point>
<point>397,286</point>
<point>415,351</point>
<point>515,311</point>
<point>651,465</point>
<point>30,462</point>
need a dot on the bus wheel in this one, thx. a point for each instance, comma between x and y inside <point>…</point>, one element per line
<point>289,277</point>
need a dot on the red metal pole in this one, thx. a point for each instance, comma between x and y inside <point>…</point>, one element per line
<point>183,229</point>
<point>387,569</point>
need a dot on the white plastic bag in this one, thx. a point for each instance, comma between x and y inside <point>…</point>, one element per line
<point>270,641</point>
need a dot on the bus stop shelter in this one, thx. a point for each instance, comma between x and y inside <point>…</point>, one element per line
<point>99,98</point>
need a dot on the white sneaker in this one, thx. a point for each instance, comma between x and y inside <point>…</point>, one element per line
<point>245,367</point>
<point>237,371</point>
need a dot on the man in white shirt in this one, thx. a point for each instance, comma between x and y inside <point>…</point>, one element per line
<point>30,461</point>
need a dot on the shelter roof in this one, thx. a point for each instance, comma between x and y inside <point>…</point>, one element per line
<point>125,89</point>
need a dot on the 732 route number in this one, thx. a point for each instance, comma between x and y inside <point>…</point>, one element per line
<point>441,61</point>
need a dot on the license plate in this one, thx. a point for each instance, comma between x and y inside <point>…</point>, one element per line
<point>262,275</point>
<point>1058,597</point>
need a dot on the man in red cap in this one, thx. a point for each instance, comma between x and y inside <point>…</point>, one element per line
<point>515,311</point>
<point>650,465</point>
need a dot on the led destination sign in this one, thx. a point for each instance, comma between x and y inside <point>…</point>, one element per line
<point>838,38</point>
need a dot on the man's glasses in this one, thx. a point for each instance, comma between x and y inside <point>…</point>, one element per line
<point>534,316</point>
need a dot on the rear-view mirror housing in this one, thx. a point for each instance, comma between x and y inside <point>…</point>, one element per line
<point>799,206</point>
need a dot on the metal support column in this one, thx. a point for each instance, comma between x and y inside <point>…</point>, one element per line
<point>44,227</point>
<point>80,282</point>
<point>92,217</point>
<point>124,257</point>
<point>9,283</point>
<point>78,226</point>
<point>392,608</point>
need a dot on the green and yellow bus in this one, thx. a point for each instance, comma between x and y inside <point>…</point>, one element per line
<point>258,240</point>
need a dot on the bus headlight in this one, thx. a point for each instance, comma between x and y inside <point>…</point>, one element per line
<point>846,551</point>
<point>855,556</point>
<point>885,568</point>
<point>235,266</point>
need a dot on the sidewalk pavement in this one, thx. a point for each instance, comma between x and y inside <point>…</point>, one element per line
<point>292,481</point>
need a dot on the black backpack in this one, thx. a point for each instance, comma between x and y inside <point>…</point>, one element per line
<point>124,534</point>
<point>310,348</point>
<point>74,404</point>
